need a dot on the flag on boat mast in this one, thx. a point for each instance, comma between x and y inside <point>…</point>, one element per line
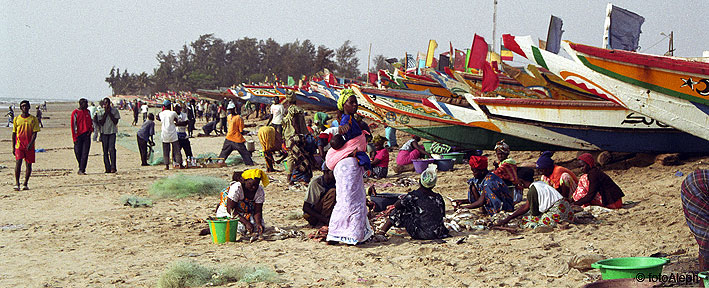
<point>622,29</point>
<point>432,45</point>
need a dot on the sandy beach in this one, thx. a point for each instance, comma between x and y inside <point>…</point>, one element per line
<point>71,230</point>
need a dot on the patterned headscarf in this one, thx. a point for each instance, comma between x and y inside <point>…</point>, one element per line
<point>478,162</point>
<point>378,139</point>
<point>256,173</point>
<point>588,158</point>
<point>502,147</point>
<point>344,95</point>
<point>429,177</point>
<point>290,96</point>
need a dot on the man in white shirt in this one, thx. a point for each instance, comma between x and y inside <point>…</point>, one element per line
<point>183,123</point>
<point>277,113</point>
<point>168,118</point>
<point>144,110</point>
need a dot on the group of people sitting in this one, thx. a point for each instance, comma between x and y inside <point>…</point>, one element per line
<point>337,199</point>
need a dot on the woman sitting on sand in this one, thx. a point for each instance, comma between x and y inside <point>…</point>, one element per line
<point>407,153</point>
<point>486,190</point>
<point>695,203</point>
<point>562,179</point>
<point>421,211</point>
<point>545,205</point>
<point>244,199</point>
<point>596,187</point>
<point>506,169</point>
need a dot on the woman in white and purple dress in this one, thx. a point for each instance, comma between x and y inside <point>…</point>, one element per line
<point>348,223</point>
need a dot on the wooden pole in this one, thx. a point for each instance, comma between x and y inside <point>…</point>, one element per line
<point>369,58</point>
<point>494,24</point>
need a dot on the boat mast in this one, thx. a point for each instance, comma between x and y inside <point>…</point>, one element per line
<point>671,51</point>
<point>494,23</point>
<point>607,25</point>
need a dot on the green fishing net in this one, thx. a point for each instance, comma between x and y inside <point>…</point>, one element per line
<point>181,186</point>
<point>190,274</point>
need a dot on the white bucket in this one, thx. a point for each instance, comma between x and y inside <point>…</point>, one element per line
<point>250,145</point>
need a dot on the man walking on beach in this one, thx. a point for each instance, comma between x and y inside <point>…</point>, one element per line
<point>191,116</point>
<point>92,110</point>
<point>168,118</point>
<point>81,128</point>
<point>234,140</point>
<point>182,127</point>
<point>24,134</point>
<point>39,116</point>
<point>107,120</point>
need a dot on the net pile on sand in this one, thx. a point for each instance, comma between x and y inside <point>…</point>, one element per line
<point>181,186</point>
<point>190,274</point>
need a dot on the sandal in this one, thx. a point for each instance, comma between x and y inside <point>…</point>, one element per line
<point>25,187</point>
<point>17,187</point>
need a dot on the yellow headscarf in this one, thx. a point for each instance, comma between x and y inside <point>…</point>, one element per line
<point>256,173</point>
<point>344,95</point>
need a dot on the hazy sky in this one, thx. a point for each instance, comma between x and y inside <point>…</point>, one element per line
<point>65,49</point>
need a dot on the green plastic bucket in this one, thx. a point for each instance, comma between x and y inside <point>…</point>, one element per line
<point>458,156</point>
<point>427,145</point>
<point>223,229</point>
<point>630,267</point>
<point>705,277</point>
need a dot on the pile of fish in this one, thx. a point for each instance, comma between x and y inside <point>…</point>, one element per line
<point>466,219</point>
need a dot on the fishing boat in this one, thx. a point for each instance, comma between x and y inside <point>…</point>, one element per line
<point>587,125</point>
<point>438,121</point>
<point>677,106</point>
<point>532,78</point>
<point>581,124</point>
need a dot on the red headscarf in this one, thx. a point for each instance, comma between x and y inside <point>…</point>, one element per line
<point>588,158</point>
<point>478,162</point>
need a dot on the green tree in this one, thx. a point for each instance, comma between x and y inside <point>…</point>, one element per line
<point>347,61</point>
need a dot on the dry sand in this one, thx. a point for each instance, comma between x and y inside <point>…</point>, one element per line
<point>73,232</point>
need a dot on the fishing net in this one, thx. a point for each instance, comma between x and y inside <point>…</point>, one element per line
<point>135,201</point>
<point>190,274</point>
<point>181,186</point>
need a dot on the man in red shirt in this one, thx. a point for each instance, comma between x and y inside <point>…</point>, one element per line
<point>81,128</point>
<point>24,134</point>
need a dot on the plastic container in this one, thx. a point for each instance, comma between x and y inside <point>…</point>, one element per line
<point>705,277</point>
<point>427,145</point>
<point>629,267</point>
<point>457,156</point>
<point>421,164</point>
<point>382,200</point>
<point>444,164</point>
<point>223,229</point>
<point>250,145</point>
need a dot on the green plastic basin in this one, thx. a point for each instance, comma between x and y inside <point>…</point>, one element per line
<point>705,277</point>
<point>427,145</point>
<point>459,157</point>
<point>629,267</point>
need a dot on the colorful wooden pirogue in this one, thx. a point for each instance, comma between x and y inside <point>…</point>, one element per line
<point>580,124</point>
<point>667,89</point>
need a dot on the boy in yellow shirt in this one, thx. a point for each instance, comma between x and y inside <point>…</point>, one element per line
<point>24,134</point>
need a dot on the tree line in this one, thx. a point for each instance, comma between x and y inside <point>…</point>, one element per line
<point>210,62</point>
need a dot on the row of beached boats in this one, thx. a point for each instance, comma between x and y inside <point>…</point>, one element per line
<point>600,99</point>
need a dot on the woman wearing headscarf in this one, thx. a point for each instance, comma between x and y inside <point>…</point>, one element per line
<point>544,207</point>
<point>562,179</point>
<point>506,169</point>
<point>348,223</point>
<point>695,203</point>
<point>596,187</point>
<point>421,211</point>
<point>407,153</point>
<point>244,199</point>
<point>486,190</point>
<point>300,161</point>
